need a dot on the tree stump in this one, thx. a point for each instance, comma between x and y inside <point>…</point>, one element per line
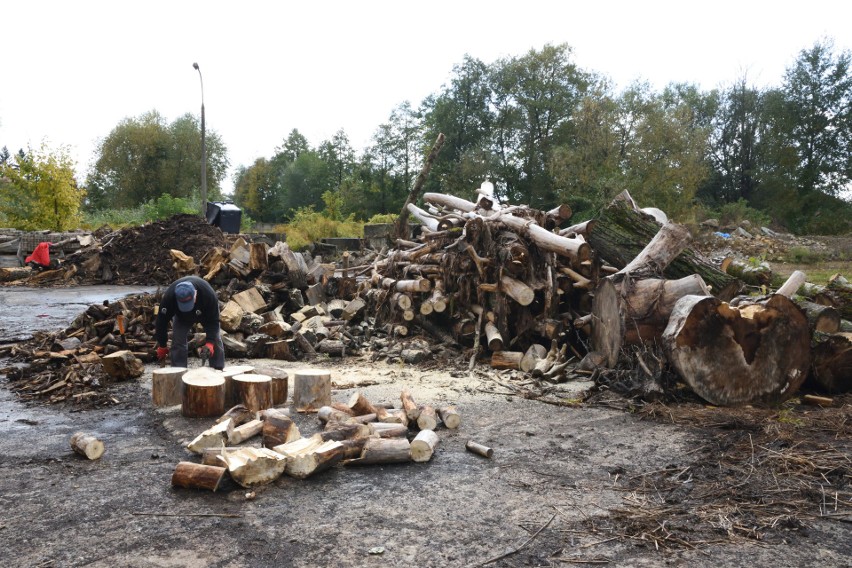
<point>280,380</point>
<point>311,389</point>
<point>167,386</point>
<point>87,445</point>
<point>198,476</point>
<point>203,393</point>
<point>229,373</point>
<point>756,352</point>
<point>254,391</point>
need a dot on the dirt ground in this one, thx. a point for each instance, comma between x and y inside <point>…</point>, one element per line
<point>565,485</point>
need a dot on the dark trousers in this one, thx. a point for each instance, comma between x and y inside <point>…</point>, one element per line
<point>180,334</point>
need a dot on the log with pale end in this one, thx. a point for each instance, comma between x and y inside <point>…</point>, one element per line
<point>450,417</point>
<point>167,386</point>
<point>87,445</point>
<point>755,352</point>
<point>280,380</point>
<point>311,389</point>
<point>479,449</point>
<point>387,429</point>
<point>337,431</point>
<point>245,431</point>
<point>191,475</point>
<point>229,372</point>
<point>428,418</point>
<point>423,445</point>
<point>383,450</point>
<point>253,390</point>
<point>203,393</point>
<point>210,456</point>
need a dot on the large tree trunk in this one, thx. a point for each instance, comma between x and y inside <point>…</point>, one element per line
<point>621,233</point>
<point>832,361</point>
<point>752,353</point>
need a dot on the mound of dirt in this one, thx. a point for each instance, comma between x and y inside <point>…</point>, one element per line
<point>140,255</point>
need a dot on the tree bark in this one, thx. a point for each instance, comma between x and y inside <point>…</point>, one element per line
<point>198,476</point>
<point>414,194</point>
<point>254,391</point>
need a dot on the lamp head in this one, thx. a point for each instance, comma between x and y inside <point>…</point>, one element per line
<point>195,65</point>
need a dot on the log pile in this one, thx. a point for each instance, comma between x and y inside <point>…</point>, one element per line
<point>356,433</point>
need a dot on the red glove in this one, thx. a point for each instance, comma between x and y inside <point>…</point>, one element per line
<point>162,353</point>
<point>209,347</point>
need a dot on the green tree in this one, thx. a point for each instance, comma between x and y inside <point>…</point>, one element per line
<point>41,192</point>
<point>143,158</point>
<point>254,192</point>
<point>818,107</point>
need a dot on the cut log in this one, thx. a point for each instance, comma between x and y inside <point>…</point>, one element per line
<point>308,456</point>
<point>412,411</point>
<point>669,241</point>
<point>250,300</point>
<point>122,365</point>
<point>245,431</point>
<point>382,451</point>
<point>353,309</point>
<point>506,359</point>
<point>278,428</point>
<point>387,430</point>
<point>479,449</point>
<point>279,382</point>
<point>213,437</point>
<point>210,456</point>
<point>577,250</point>
<point>753,353</point>
<point>759,274</point>
<point>251,467</point>
<point>338,431</point>
<point>607,323</point>
<point>311,389</point>
<point>167,386</point>
<point>423,445</point>
<point>359,405</point>
<point>198,476</point>
<point>839,290</point>
<point>352,448</point>
<point>517,290</point>
<point>229,372</point>
<point>428,418</point>
<point>87,445</point>
<point>238,414</point>
<point>792,284</point>
<point>254,391</point>
<point>646,305</point>
<point>203,393</point>
<point>493,337</point>
<point>832,362</point>
<point>825,319</point>
<point>332,414</point>
<point>450,417</point>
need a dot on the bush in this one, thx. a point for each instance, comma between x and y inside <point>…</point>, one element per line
<point>739,211</point>
<point>382,218</point>
<point>167,206</point>
<point>308,226</point>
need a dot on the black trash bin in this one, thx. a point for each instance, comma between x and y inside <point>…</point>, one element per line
<point>225,215</point>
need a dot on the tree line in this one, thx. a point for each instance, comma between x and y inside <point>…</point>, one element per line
<point>544,131</point>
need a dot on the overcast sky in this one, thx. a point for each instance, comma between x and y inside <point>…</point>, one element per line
<point>71,71</point>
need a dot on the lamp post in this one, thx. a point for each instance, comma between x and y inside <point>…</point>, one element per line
<point>203,148</point>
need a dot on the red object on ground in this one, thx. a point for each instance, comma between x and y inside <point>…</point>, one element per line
<point>41,255</point>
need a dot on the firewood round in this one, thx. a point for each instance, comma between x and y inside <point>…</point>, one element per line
<point>203,393</point>
<point>253,390</point>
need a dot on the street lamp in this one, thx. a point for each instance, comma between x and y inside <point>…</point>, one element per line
<point>203,148</point>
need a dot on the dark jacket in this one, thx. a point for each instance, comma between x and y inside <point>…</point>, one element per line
<point>206,311</point>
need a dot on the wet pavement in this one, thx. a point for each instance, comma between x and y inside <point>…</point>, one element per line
<point>24,311</point>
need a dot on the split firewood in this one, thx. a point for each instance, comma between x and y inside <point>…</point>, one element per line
<point>251,467</point>
<point>245,431</point>
<point>533,355</point>
<point>423,445</point>
<point>359,405</point>
<point>87,445</point>
<point>191,475</point>
<point>755,352</point>
<point>278,428</point>
<point>412,411</point>
<point>122,365</point>
<point>450,417</point>
<point>308,456</point>
<point>342,407</point>
<point>210,456</point>
<point>331,414</point>
<point>213,437</point>
<point>352,448</point>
